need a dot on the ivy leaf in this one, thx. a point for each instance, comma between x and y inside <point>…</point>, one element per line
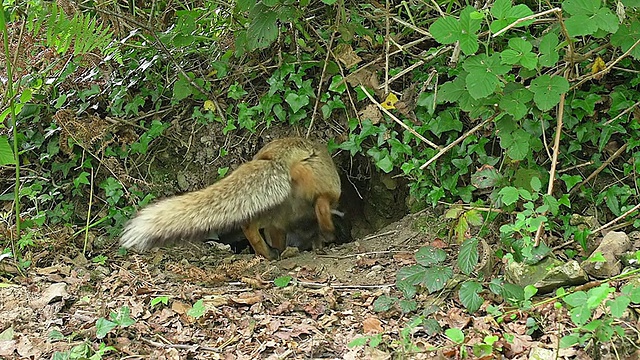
<point>103,326</point>
<point>618,306</point>
<point>570,180</point>
<point>469,296</point>
<point>547,90</point>
<point>451,91</point>
<point>296,101</point>
<point>384,303</point>
<point>587,17</point>
<point>197,310</point>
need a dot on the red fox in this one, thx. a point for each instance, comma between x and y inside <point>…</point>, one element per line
<point>288,180</point>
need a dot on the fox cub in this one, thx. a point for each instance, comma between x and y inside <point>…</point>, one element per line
<point>288,180</point>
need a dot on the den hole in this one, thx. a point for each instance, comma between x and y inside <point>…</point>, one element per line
<point>370,200</point>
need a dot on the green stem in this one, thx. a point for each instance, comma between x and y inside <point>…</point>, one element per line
<point>10,94</point>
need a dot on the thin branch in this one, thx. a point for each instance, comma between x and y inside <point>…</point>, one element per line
<point>600,168</point>
<point>458,140</point>
<point>626,213</point>
<point>324,70</point>
<point>405,126</point>
<point>554,162</point>
<point>526,18</point>
<point>608,68</point>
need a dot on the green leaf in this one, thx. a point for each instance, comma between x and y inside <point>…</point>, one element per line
<point>468,256</point>
<point>122,318</point>
<point>455,335</point>
<point>197,310</point>
<point>103,326</point>
<point>384,303</point>
<point>483,80</point>
<point>469,295</point>
<point>516,144</point>
<point>570,180</point>
<point>263,29</point>
<point>408,306</point>
<point>6,153</point>
<point>516,100</point>
<point>626,36</point>
<point>548,54</point>
<point>581,7</point>
<point>282,281</point>
<point>159,299</point>
<point>181,89</point>
<point>547,90</point>
<point>452,90</point>
<point>428,255</point>
<point>568,341</point>
<point>486,177</point>
<point>509,195</point>
<point>500,9</point>
<point>296,101</point>
<point>361,341</point>
<point>446,30</point>
<point>619,305</point>
<point>536,185</point>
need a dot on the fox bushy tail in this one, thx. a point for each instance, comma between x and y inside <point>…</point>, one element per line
<point>254,187</point>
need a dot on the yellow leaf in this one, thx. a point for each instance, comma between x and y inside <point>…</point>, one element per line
<point>209,105</point>
<point>598,65</point>
<point>390,101</point>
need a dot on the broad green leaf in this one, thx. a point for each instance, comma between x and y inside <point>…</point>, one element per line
<point>296,101</point>
<point>516,144</point>
<point>6,152</point>
<point>446,30</point>
<point>581,7</point>
<point>455,335</point>
<point>486,177</point>
<point>181,89</point>
<point>384,303</point>
<point>469,295</point>
<point>408,306</point>
<point>452,90</point>
<point>619,305</point>
<point>263,29</point>
<point>626,36</point>
<point>568,341</point>
<point>197,310</point>
<point>579,25</point>
<point>570,180</point>
<point>547,90</point>
<point>483,80</point>
<point>500,9</point>
<point>548,54</point>
<point>468,256</point>
<point>428,255</point>
<point>580,315</point>
<point>509,195</point>
<point>103,326</point>
<point>633,291</point>
<point>282,281</point>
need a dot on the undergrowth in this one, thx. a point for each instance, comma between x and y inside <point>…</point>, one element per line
<point>516,116</point>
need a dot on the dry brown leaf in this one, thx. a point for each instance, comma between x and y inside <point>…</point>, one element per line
<point>180,307</point>
<point>55,292</point>
<point>372,326</point>
<point>372,113</point>
<point>346,55</point>
<point>248,298</point>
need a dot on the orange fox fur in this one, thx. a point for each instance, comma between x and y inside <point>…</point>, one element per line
<point>289,179</point>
